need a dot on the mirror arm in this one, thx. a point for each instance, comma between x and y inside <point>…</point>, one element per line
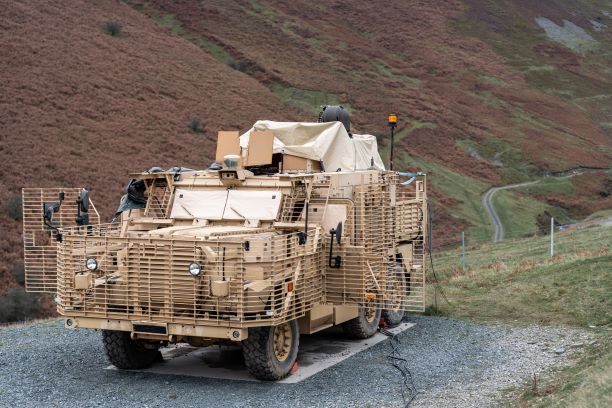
<point>303,235</point>
<point>334,261</point>
<point>58,235</point>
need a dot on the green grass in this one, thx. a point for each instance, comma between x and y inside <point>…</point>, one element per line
<point>517,279</point>
<point>170,22</point>
<point>491,80</point>
<point>383,69</point>
<point>599,214</point>
<point>219,53</point>
<point>518,213</point>
<point>517,282</point>
<point>404,133</point>
<point>588,383</point>
<point>307,100</point>
<point>458,186</point>
<point>557,185</point>
<point>257,9</point>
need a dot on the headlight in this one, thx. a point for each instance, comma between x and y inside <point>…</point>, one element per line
<point>91,264</point>
<point>195,269</point>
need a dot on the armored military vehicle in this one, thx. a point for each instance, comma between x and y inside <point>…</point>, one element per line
<point>297,227</point>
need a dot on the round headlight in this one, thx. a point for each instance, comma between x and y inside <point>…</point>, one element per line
<point>195,269</point>
<point>91,264</point>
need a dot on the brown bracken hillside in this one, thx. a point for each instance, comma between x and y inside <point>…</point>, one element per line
<point>482,94</point>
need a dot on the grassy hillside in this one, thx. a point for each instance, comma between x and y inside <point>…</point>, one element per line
<point>483,95</point>
<point>517,282</point>
<point>453,73</point>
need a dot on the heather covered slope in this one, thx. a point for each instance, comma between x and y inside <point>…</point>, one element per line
<point>412,58</point>
<point>80,107</point>
<point>470,114</point>
<point>484,96</point>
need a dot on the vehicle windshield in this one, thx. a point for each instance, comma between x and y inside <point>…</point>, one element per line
<point>223,204</point>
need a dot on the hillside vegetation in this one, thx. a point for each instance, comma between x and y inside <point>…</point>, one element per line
<point>91,91</point>
<point>517,282</point>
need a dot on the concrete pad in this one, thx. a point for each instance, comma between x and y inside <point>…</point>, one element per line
<point>317,352</point>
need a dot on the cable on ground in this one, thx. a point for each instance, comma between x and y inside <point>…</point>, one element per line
<point>408,389</point>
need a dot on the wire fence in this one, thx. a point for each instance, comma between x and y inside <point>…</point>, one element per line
<point>472,253</point>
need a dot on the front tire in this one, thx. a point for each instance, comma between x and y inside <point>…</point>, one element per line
<point>128,354</point>
<point>270,352</point>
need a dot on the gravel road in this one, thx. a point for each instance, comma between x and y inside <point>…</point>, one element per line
<point>487,201</point>
<point>454,363</point>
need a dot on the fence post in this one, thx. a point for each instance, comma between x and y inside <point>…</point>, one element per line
<point>463,250</point>
<point>552,237</point>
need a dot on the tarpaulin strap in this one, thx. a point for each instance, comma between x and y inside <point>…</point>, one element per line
<point>407,174</point>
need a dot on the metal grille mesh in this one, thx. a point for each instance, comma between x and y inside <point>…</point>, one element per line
<point>40,244</point>
<point>250,280</point>
<point>385,221</point>
<point>264,276</point>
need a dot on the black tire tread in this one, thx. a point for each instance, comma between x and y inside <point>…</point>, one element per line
<point>256,356</point>
<point>124,353</point>
<point>394,318</point>
<point>356,328</point>
<point>391,318</point>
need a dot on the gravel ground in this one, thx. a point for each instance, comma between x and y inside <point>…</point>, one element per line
<point>454,363</point>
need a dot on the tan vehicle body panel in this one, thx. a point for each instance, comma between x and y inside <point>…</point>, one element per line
<point>256,269</point>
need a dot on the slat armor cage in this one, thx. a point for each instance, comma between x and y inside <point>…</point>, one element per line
<point>39,241</point>
<point>254,272</point>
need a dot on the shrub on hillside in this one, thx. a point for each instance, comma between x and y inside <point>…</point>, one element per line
<point>13,207</point>
<point>113,28</point>
<point>195,124</point>
<point>17,305</point>
<point>238,66</point>
<point>19,273</point>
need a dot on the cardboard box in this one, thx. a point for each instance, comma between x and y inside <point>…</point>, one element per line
<point>295,163</point>
<point>260,148</point>
<point>228,142</point>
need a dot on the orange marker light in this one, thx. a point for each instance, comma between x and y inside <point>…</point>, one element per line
<point>290,287</point>
<point>370,296</point>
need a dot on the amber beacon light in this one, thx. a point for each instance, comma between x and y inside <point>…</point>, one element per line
<point>392,120</point>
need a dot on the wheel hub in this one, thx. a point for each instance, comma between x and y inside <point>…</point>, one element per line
<point>370,310</point>
<point>283,338</point>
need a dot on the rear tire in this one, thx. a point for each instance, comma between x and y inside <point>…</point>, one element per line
<point>270,352</point>
<point>365,324</point>
<point>396,296</point>
<point>128,354</point>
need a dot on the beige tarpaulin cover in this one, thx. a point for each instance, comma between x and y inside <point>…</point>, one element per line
<point>327,142</point>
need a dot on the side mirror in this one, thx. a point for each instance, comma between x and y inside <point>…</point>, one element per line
<point>338,232</point>
<point>83,208</point>
<point>335,261</point>
<point>49,209</point>
<point>83,200</point>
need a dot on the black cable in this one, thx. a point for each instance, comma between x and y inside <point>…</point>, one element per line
<point>436,282</point>
<point>408,389</point>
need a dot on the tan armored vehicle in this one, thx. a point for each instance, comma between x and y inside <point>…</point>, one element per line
<point>301,228</point>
